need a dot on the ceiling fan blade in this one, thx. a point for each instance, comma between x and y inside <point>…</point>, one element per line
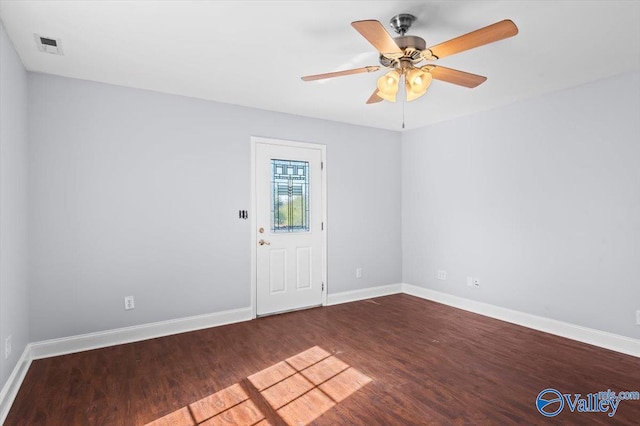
<point>340,73</point>
<point>375,34</point>
<point>498,31</point>
<point>374,98</point>
<point>461,78</point>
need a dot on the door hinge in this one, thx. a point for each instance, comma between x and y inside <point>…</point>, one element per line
<point>322,286</point>
<point>322,165</point>
<point>322,226</point>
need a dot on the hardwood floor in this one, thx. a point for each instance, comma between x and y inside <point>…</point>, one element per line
<point>395,360</point>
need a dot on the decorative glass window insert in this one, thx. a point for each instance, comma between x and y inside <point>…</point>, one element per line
<point>289,196</point>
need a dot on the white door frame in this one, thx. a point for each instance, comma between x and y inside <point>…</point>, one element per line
<point>254,224</point>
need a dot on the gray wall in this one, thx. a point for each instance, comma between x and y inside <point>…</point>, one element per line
<point>137,193</point>
<point>13,206</point>
<point>540,200</point>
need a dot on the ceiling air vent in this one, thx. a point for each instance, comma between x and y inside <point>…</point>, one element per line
<point>48,44</point>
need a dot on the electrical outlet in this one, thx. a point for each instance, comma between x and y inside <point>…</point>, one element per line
<point>442,275</point>
<point>470,281</point>
<point>476,282</point>
<point>128,303</point>
<point>7,347</point>
<point>637,317</point>
<point>358,272</point>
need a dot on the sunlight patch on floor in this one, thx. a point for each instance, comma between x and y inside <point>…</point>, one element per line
<point>297,390</point>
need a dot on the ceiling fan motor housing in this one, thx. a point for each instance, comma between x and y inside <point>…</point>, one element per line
<point>411,46</point>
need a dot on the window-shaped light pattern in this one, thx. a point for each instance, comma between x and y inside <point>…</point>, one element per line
<point>289,196</point>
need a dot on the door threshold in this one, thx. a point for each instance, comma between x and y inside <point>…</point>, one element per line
<point>287,311</point>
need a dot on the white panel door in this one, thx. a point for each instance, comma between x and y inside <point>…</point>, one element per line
<point>289,257</point>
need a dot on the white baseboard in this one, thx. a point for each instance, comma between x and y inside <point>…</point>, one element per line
<point>362,294</point>
<point>119,336</point>
<point>12,386</point>
<point>614,342</point>
<point>85,342</point>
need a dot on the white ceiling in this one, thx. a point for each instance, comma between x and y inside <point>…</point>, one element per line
<point>253,53</point>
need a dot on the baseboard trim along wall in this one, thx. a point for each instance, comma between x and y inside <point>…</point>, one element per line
<point>119,336</point>
<point>84,342</point>
<point>614,342</point>
<point>11,388</point>
<point>362,294</point>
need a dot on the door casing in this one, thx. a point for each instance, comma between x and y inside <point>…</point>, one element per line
<point>253,220</point>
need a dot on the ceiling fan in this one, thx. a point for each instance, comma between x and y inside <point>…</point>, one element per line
<point>404,53</point>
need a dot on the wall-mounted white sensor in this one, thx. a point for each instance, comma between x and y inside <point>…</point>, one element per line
<point>49,44</point>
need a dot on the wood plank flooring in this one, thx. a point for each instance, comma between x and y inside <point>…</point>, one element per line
<point>395,360</point>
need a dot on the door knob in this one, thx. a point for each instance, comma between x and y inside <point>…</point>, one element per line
<point>263,242</point>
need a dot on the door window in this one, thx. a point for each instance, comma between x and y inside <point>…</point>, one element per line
<point>289,196</point>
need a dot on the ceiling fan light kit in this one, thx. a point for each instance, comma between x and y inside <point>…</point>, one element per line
<point>403,54</point>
